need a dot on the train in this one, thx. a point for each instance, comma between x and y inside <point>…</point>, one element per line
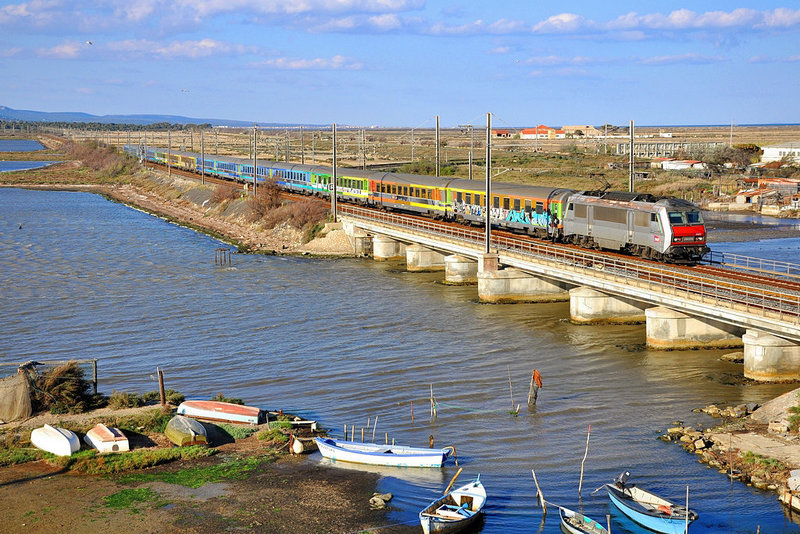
<point>663,229</point>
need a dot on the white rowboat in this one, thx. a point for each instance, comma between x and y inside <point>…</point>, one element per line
<point>58,441</point>
<point>225,412</point>
<point>376,454</point>
<point>106,439</point>
<point>454,511</point>
<point>575,523</point>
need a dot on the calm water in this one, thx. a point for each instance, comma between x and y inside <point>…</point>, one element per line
<point>343,341</point>
<point>20,145</point>
<point>9,166</point>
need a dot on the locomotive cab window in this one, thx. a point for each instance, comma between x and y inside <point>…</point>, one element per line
<point>676,217</point>
<point>694,217</point>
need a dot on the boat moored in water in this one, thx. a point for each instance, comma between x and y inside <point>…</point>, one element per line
<point>454,511</point>
<point>376,454</point>
<point>647,509</point>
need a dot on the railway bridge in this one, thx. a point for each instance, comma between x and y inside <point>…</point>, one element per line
<point>681,307</point>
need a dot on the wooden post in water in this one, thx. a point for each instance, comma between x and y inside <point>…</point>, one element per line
<point>433,404</point>
<point>586,453</point>
<point>374,424</point>
<point>539,494</point>
<point>412,411</point>
<point>387,438</point>
<point>510,389</point>
<point>94,375</point>
<point>161,386</point>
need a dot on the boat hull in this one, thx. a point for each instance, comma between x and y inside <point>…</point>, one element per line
<point>225,412</point>
<point>373,454</point>
<point>106,439</point>
<point>58,441</point>
<point>575,523</point>
<point>184,431</point>
<point>456,511</point>
<point>656,523</point>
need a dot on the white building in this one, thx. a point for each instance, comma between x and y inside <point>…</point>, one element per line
<point>789,150</point>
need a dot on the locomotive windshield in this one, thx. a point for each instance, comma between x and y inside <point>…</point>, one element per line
<point>685,217</point>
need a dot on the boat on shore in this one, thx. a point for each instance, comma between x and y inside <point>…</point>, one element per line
<point>184,431</point>
<point>647,509</point>
<point>55,440</point>
<point>106,439</point>
<point>574,523</point>
<point>376,454</point>
<point>224,412</point>
<point>454,511</point>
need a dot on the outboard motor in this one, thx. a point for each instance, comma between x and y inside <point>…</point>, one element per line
<point>622,479</point>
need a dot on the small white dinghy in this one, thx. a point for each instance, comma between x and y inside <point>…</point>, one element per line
<point>58,441</point>
<point>106,439</point>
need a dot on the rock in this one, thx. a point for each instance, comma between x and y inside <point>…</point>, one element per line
<point>700,444</point>
<point>777,408</point>
<point>379,500</point>
<point>675,430</point>
<point>751,407</point>
<point>735,357</point>
<point>778,427</point>
<point>758,482</point>
<point>665,437</point>
<point>712,410</point>
<point>793,483</point>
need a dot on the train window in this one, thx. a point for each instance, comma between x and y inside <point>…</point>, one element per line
<point>676,217</point>
<point>539,207</point>
<point>459,196</point>
<point>477,200</point>
<point>653,217</point>
<point>580,211</point>
<point>516,204</point>
<point>527,206</point>
<point>612,215</point>
<point>694,217</point>
<point>405,191</point>
<point>430,194</point>
<point>640,218</point>
<point>496,202</point>
<point>468,198</point>
<point>506,203</point>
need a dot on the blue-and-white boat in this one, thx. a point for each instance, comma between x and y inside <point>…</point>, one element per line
<point>575,523</point>
<point>454,511</point>
<point>647,509</point>
<point>376,454</point>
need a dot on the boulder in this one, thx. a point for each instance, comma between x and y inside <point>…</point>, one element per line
<point>777,408</point>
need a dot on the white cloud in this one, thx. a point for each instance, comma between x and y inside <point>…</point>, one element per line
<point>695,59</point>
<point>204,8</point>
<point>62,51</point>
<point>333,63</point>
<point>181,49</point>
<point>562,23</point>
<point>500,50</point>
<point>10,52</point>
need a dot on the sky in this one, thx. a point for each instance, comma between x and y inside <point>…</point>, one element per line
<point>403,62</point>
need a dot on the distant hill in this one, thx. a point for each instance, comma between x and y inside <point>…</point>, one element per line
<point>7,113</point>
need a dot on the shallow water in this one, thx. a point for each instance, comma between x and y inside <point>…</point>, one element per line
<point>20,145</point>
<point>9,166</point>
<point>347,340</point>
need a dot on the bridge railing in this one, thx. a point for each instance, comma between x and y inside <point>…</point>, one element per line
<point>774,303</point>
<point>737,261</point>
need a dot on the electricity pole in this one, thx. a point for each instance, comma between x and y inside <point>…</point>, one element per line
<point>488,202</point>
<point>333,177</point>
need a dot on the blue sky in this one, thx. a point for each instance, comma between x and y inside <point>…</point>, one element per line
<point>401,62</point>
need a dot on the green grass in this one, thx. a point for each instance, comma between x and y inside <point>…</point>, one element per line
<point>273,434</point>
<point>131,498</point>
<point>19,456</point>
<point>762,463</point>
<point>237,432</point>
<point>195,477</point>
<point>91,463</point>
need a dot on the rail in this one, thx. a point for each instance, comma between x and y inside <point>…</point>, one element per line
<point>747,263</point>
<point>763,302</point>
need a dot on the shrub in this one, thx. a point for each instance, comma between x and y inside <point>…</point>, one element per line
<point>121,399</point>
<point>171,396</point>
<point>223,193</point>
<point>236,431</point>
<point>62,389</point>
<point>266,200</point>
<point>221,398</point>
<point>273,434</point>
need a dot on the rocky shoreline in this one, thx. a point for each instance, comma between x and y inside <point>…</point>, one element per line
<point>756,445</point>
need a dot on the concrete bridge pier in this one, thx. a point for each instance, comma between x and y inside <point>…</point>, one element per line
<point>460,271</point>
<point>512,285</point>
<point>587,306</point>
<point>387,249</point>
<point>769,358</point>
<point>423,259</point>
<point>668,329</point>
<point>359,239</point>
